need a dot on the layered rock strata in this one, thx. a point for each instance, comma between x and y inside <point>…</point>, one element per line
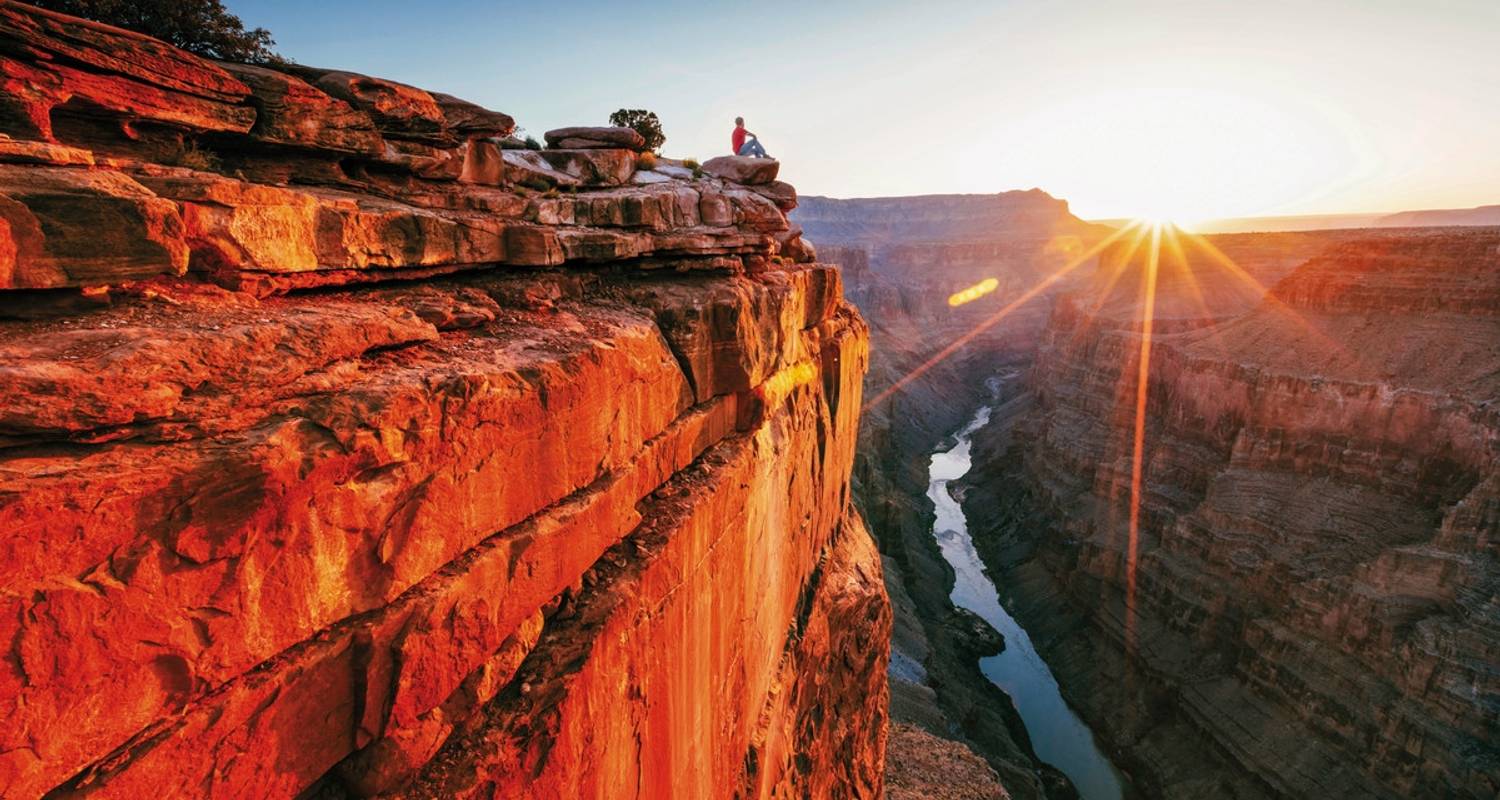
<point>904,259</point>
<point>1316,601</point>
<point>348,453</point>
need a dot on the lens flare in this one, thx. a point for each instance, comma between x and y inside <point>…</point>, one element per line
<point>778,386</point>
<point>994,319</point>
<point>974,292</point>
<point>1137,459</point>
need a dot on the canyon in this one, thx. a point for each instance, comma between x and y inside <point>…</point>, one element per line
<point>1311,609</point>
<point>1314,603</point>
<point>903,258</point>
<point>353,448</point>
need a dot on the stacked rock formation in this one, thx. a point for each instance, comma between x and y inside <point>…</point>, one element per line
<point>346,452</point>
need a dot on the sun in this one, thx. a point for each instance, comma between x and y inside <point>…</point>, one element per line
<point>1165,222</point>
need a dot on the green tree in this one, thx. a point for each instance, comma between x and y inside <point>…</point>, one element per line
<point>204,27</point>
<point>643,122</point>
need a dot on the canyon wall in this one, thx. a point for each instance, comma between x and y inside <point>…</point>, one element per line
<point>903,259</point>
<point>351,449</point>
<point>1314,609</point>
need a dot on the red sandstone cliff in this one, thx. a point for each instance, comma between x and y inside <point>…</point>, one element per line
<point>348,452</point>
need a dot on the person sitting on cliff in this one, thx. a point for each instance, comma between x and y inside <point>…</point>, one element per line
<point>744,142</point>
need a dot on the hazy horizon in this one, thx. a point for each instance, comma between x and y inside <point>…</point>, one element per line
<point>1151,108</point>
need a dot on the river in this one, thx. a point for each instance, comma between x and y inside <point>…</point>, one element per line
<point>1059,737</point>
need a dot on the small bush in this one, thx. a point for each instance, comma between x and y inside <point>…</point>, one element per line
<point>692,164</point>
<point>644,122</point>
<point>647,160</point>
<point>188,154</point>
<point>532,143</point>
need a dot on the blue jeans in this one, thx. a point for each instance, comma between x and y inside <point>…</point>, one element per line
<point>752,147</point>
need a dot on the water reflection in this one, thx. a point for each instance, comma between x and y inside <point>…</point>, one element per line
<point>1059,737</point>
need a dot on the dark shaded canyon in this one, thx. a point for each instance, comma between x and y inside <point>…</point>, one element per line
<point>1315,604</point>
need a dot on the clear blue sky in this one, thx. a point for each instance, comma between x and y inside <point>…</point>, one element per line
<point>1165,107</point>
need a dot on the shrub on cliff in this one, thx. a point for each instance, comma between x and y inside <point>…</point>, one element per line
<point>644,122</point>
<point>204,27</point>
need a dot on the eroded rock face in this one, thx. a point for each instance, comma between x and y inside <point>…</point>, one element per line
<point>1317,588</point>
<point>535,484</point>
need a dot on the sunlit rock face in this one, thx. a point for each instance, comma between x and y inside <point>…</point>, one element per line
<point>1316,597</point>
<point>346,454</point>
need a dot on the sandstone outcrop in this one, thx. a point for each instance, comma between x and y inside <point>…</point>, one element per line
<point>743,169</point>
<point>595,138</point>
<point>543,492</point>
<point>1317,599</point>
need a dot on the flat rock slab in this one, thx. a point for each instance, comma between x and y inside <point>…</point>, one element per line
<point>579,138</point>
<point>743,169</point>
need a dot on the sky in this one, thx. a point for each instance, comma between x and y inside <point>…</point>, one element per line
<point>1156,108</point>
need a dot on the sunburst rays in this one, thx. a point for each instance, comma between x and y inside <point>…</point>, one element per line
<point>1185,283</point>
<point>1138,439</point>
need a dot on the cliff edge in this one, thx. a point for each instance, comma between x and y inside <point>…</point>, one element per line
<point>352,449</point>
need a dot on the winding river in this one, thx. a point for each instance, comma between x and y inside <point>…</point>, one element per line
<point>1059,737</point>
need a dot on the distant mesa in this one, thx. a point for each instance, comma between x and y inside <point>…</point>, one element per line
<point>873,221</point>
<point>1479,215</point>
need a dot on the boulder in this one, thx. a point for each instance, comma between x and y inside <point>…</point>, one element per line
<point>743,169</point>
<point>796,248</point>
<point>528,168</point>
<point>599,167</point>
<point>974,633</point>
<point>578,138</point>
<point>783,194</point>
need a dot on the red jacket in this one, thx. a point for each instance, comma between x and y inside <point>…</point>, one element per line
<point>737,140</point>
